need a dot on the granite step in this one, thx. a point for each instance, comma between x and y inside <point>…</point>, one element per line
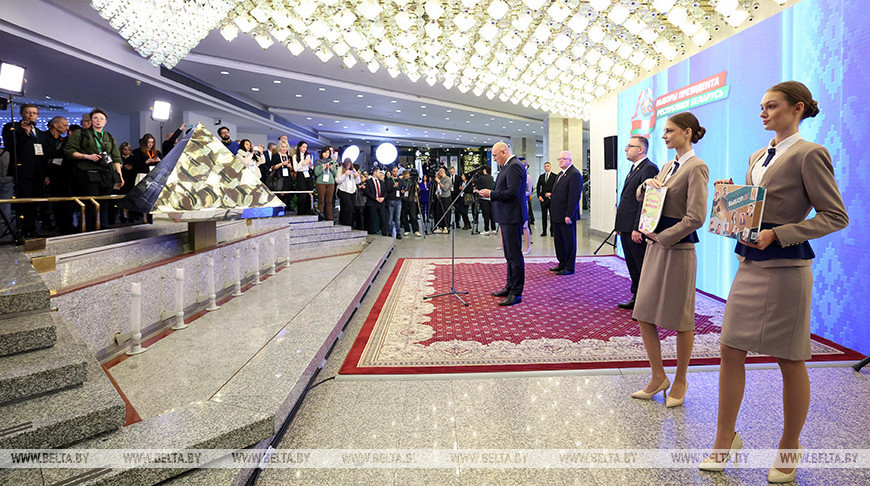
<point>200,425</point>
<point>35,372</point>
<point>63,417</point>
<point>21,289</point>
<point>28,331</point>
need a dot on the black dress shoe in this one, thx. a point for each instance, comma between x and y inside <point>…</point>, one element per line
<point>627,305</point>
<point>398,236</point>
<point>501,293</point>
<point>556,269</point>
<point>564,272</point>
<point>511,300</point>
<point>543,234</point>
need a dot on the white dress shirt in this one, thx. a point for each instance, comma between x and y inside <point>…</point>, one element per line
<point>759,170</point>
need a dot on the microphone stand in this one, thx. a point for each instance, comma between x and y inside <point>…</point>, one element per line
<point>606,242</point>
<point>452,209</point>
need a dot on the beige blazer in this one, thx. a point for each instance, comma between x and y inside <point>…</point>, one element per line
<point>800,180</point>
<point>686,200</point>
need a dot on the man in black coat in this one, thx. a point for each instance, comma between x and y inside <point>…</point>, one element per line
<point>545,190</point>
<point>565,211</point>
<point>21,139</point>
<point>628,211</point>
<point>376,193</point>
<point>511,211</point>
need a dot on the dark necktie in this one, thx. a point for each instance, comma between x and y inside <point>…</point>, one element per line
<point>676,166</point>
<point>770,152</point>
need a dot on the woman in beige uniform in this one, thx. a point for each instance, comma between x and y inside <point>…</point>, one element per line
<point>768,308</point>
<point>666,291</point>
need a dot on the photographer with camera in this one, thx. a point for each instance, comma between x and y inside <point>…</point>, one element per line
<point>98,164</point>
<point>348,179</point>
<point>410,202</point>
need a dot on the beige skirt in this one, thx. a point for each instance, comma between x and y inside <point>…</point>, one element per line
<point>768,311</point>
<point>666,291</point>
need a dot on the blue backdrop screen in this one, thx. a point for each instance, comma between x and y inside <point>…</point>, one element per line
<point>826,45</point>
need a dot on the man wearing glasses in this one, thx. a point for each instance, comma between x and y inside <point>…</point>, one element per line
<point>628,211</point>
<point>511,209</point>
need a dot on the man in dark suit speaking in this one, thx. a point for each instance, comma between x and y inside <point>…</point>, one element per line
<point>565,211</point>
<point>511,211</point>
<point>628,211</point>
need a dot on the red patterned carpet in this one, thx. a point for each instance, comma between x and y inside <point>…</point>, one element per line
<point>564,322</point>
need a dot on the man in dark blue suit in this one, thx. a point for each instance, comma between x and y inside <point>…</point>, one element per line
<point>628,211</point>
<point>511,211</point>
<point>564,213</point>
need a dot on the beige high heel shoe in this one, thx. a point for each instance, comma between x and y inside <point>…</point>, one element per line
<point>646,396</point>
<point>711,464</point>
<point>676,402</point>
<point>777,476</point>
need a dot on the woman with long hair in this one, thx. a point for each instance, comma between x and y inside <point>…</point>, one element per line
<point>666,290</point>
<point>348,180</point>
<point>147,155</point>
<point>304,168</point>
<point>324,172</point>
<point>282,166</point>
<point>768,308</point>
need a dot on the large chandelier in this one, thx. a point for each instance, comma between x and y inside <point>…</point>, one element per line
<point>164,31</point>
<point>551,55</point>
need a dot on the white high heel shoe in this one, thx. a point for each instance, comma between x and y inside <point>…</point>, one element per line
<point>647,395</point>
<point>777,476</point>
<point>711,464</point>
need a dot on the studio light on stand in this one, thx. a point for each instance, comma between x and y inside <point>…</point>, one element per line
<point>12,84</point>
<point>160,113</point>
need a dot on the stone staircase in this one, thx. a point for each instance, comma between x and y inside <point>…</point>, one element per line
<point>52,391</point>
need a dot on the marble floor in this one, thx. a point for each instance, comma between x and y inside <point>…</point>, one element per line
<point>560,411</point>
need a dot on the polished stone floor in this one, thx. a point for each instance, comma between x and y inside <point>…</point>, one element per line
<point>559,411</point>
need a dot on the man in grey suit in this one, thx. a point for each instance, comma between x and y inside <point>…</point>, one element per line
<point>628,211</point>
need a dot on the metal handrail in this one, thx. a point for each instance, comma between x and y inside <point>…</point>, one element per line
<point>76,199</point>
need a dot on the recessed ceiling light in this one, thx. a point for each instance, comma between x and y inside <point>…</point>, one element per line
<point>276,81</point>
<point>449,111</point>
<point>359,96</point>
<point>492,118</point>
<point>527,124</point>
<point>398,111</point>
<point>336,121</point>
<point>447,118</point>
<point>299,96</point>
<point>467,121</point>
<point>320,124</point>
<point>321,89</point>
<point>471,114</point>
<point>368,106</point>
<point>224,72</point>
<point>486,124</point>
<point>424,114</point>
<point>335,101</point>
<point>48,97</point>
<point>510,121</point>
<point>307,117</point>
<point>422,106</point>
<point>503,127</point>
<point>343,127</point>
<point>393,101</point>
<point>255,89</point>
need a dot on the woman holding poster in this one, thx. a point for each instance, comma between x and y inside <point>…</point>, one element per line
<point>768,309</point>
<point>666,291</point>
